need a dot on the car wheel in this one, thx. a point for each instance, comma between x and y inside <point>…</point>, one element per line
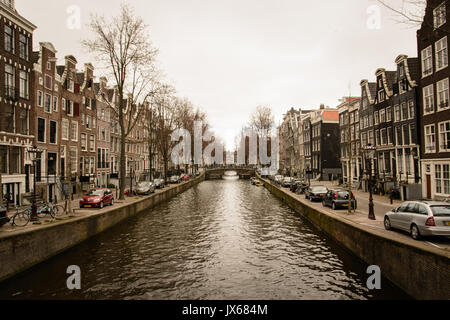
<point>415,233</point>
<point>387,223</point>
<point>101,205</point>
<point>333,205</point>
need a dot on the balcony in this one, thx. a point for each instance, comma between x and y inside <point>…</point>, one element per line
<point>11,93</point>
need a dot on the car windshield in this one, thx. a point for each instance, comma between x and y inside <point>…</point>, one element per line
<point>441,210</point>
<point>343,195</point>
<point>95,193</point>
<point>319,189</point>
<point>143,184</point>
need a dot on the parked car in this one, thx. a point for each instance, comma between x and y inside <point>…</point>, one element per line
<point>295,185</point>
<point>315,193</point>
<point>145,188</point>
<point>174,179</point>
<point>97,198</point>
<point>420,218</point>
<point>159,183</point>
<point>278,179</point>
<point>286,182</point>
<point>3,216</point>
<point>339,198</point>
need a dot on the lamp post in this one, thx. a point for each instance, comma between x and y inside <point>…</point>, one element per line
<point>36,155</point>
<point>369,153</point>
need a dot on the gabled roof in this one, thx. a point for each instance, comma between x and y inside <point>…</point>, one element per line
<point>330,115</point>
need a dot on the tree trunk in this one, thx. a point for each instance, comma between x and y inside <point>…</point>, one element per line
<point>122,171</point>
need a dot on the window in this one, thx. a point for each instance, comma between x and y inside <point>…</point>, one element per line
<point>55,104</point>
<point>74,133</point>
<point>23,47</point>
<point>442,94</point>
<point>399,135</point>
<point>382,116</point>
<point>439,17</point>
<point>53,132</point>
<point>412,131</point>
<point>9,39</point>
<point>444,136</point>
<point>92,143</point>
<point>376,120</point>
<point>384,138</point>
<point>442,174</point>
<point>381,96</point>
<point>10,82</point>
<point>73,159</point>
<point>65,129</point>
<point>411,109</point>
<point>48,82</point>
<point>48,103</point>
<point>63,104</point>
<point>427,61</point>
<point>428,99</point>
<point>404,111</point>
<point>406,139</point>
<point>88,122</point>
<point>390,135</point>
<point>83,142</point>
<point>41,130</point>
<point>396,113</point>
<point>430,142</point>
<point>39,98</point>
<point>388,114</point>
<point>441,54</point>
<point>400,160</point>
<point>377,137</point>
<point>82,119</point>
<point>23,85</point>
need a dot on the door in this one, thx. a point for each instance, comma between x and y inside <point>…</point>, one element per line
<point>428,186</point>
<point>405,217</point>
<point>396,218</point>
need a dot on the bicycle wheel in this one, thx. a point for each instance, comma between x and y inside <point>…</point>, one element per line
<point>21,219</point>
<point>58,210</point>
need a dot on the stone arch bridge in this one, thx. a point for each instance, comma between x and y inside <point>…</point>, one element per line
<point>217,173</point>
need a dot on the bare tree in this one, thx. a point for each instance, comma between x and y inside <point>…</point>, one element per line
<point>410,12</point>
<point>123,47</point>
<point>262,120</point>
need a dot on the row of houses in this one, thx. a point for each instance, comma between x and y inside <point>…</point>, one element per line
<point>404,113</point>
<point>61,110</point>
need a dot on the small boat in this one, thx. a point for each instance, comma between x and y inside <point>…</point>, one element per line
<point>259,184</point>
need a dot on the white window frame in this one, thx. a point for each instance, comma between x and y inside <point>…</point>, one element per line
<point>71,131</point>
<point>442,89</point>
<point>439,15</point>
<point>55,104</point>
<point>65,129</point>
<point>427,61</point>
<point>83,141</point>
<point>441,53</point>
<point>444,136</point>
<point>430,139</point>
<point>428,99</point>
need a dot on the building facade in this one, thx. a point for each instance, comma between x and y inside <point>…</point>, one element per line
<point>432,45</point>
<point>17,125</point>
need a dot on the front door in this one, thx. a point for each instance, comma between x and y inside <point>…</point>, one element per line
<point>428,186</point>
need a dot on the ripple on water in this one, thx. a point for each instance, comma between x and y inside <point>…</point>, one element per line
<point>218,240</point>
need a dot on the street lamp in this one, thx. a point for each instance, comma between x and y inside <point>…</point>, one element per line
<point>35,154</point>
<point>369,154</point>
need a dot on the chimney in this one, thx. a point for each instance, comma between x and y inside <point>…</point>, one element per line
<point>322,106</point>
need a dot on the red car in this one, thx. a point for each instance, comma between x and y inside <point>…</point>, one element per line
<point>97,198</point>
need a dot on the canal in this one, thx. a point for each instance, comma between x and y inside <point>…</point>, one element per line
<point>218,240</point>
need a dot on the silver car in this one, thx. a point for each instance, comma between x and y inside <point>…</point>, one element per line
<point>420,218</point>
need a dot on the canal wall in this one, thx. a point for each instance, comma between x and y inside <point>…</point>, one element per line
<point>423,274</point>
<point>22,250</point>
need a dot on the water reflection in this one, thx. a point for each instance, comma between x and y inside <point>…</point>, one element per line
<point>218,240</point>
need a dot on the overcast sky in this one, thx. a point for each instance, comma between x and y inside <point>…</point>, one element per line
<point>228,56</point>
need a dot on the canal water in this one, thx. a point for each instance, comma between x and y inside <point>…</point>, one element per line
<point>219,240</point>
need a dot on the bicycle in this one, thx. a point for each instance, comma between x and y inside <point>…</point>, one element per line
<point>21,219</point>
<point>59,209</point>
<point>45,209</point>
